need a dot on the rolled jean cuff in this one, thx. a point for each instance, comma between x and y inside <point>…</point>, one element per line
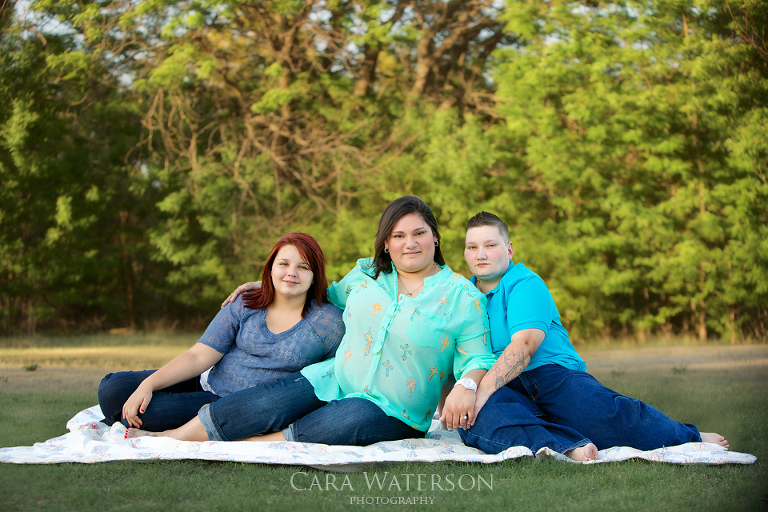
<point>205,417</point>
<point>288,433</point>
<point>583,442</point>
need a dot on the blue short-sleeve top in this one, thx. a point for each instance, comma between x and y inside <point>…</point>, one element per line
<point>253,354</point>
<point>520,301</point>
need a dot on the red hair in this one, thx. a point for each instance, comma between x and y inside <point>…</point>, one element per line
<point>311,252</point>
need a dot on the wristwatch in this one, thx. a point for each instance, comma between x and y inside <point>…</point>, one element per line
<point>467,383</point>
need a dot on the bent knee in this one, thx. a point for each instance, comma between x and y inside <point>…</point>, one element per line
<point>107,387</point>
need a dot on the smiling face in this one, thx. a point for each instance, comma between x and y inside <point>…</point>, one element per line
<point>411,244</point>
<point>488,255</point>
<point>291,275</point>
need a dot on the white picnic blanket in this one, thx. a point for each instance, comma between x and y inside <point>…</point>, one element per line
<point>90,440</point>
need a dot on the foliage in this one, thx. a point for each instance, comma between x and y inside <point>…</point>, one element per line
<point>152,152</point>
<point>73,206</point>
<point>629,116</point>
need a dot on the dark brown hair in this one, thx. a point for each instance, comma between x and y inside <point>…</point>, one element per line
<point>396,210</point>
<point>311,252</point>
<point>489,219</point>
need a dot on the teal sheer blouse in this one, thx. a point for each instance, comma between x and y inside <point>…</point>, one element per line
<point>398,351</point>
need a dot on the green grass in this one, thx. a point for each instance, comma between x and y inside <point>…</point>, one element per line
<point>730,399</point>
<point>114,352</point>
<point>100,340</point>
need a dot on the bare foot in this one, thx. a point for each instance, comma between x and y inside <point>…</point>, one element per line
<point>583,453</point>
<point>710,437</point>
<point>136,432</point>
<point>193,430</point>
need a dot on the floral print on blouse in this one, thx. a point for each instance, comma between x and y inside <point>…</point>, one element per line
<point>398,351</point>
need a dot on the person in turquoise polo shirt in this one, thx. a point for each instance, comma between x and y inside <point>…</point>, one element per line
<point>538,393</point>
<point>411,325</point>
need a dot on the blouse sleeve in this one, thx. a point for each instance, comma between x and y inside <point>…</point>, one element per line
<point>339,291</point>
<point>473,351</point>
<point>221,333</point>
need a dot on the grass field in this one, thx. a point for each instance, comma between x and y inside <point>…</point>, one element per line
<point>718,388</point>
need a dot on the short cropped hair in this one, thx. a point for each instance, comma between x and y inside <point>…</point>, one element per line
<point>489,219</point>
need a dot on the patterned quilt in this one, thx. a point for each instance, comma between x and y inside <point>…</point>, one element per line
<point>89,440</point>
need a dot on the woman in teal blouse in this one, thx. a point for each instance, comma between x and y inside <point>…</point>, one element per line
<point>410,323</point>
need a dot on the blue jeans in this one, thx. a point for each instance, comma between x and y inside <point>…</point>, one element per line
<point>170,407</point>
<point>290,405</point>
<point>563,409</point>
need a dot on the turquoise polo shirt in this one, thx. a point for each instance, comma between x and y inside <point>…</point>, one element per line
<point>520,301</point>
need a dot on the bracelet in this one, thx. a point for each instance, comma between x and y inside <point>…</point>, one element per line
<point>467,383</point>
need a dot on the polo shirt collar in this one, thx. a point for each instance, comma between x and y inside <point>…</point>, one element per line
<point>473,280</point>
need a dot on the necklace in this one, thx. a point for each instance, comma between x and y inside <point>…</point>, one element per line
<point>410,293</point>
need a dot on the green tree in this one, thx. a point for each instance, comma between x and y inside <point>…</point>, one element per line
<point>72,243</point>
<point>267,117</point>
<point>629,113</point>
<point>259,118</point>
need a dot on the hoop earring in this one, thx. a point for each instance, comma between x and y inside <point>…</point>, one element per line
<point>437,242</point>
<point>386,250</point>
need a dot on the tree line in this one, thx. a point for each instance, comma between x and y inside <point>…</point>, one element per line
<point>151,152</point>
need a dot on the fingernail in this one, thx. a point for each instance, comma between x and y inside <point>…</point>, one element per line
<point>142,411</point>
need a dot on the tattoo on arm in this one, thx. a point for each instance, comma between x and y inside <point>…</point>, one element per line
<point>507,367</point>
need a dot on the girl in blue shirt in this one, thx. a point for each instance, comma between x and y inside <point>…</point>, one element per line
<point>263,336</point>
